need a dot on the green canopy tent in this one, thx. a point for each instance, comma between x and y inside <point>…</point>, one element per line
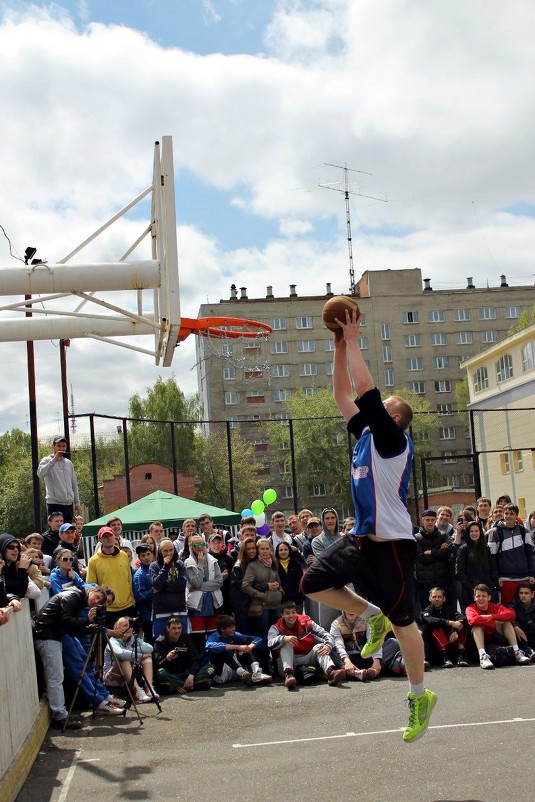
<point>160,506</point>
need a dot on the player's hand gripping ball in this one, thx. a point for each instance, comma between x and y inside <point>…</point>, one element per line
<point>336,307</point>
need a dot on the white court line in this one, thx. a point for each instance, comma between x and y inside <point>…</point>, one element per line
<point>381,732</point>
<point>69,778</point>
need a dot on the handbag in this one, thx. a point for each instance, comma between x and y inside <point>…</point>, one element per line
<point>256,608</point>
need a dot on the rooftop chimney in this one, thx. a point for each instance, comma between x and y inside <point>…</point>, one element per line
<point>269,292</point>
<point>428,287</point>
<point>503,281</point>
<point>328,290</point>
<point>470,283</point>
<point>233,292</point>
<point>293,293</point>
<point>243,293</point>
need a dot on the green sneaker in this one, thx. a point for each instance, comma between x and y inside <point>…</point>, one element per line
<point>380,626</point>
<point>420,709</point>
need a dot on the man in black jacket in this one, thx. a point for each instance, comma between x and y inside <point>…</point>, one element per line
<point>177,661</point>
<point>62,615</point>
<point>433,559</point>
<point>443,628</point>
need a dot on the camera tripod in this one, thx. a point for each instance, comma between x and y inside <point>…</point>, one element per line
<point>139,676</point>
<point>96,650</point>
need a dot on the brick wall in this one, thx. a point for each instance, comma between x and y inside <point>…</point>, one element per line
<point>145,479</point>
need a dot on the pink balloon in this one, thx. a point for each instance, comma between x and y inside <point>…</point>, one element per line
<point>263,530</point>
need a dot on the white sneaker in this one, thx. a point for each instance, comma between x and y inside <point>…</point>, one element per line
<point>156,695</point>
<point>486,662</point>
<point>258,676</point>
<point>115,701</point>
<point>521,658</point>
<point>141,697</point>
<point>106,708</point>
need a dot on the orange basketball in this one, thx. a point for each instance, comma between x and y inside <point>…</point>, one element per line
<point>336,307</point>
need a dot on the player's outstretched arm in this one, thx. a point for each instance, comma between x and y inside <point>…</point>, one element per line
<point>358,370</point>
<point>342,390</point>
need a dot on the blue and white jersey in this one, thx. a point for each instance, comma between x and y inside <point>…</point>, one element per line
<point>379,489</point>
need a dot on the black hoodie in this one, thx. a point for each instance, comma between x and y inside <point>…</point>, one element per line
<point>15,579</point>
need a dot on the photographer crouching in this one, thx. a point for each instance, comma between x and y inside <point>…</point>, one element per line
<point>65,614</point>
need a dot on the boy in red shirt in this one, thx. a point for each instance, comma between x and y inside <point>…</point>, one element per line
<point>487,618</point>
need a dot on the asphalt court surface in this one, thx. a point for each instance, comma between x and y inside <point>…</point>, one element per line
<point>266,743</point>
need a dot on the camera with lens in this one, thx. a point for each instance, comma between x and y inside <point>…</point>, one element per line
<point>100,615</point>
<point>136,625</point>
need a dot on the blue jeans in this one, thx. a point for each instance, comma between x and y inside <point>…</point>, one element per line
<point>74,657</point>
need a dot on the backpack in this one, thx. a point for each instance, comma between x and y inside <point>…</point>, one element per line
<point>501,655</point>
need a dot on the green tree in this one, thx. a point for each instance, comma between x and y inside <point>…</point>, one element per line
<point>462,397</point>
<point>321,446</point>
<point>527,318</point>
<point>16,506</point>
<point>151,442</point>
<point>211,469</point>
<point>424,423</point>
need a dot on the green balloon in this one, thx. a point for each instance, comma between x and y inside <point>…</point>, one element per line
<point>269,496</point>
<point>258,507</point>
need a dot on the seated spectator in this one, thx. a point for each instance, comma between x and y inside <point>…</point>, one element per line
<point>204,598</point>
<point>63,576</point>
<point>16,566</point>
<point>239,600</point>
<point>231,654</point>
<point>491,623</point>
<point>301,642</point>
<point>127,652</point>
<point>9,603</point>
<point>261,582</point>
<point>443,630</point>
<point>329,534</point>
<point>91,687</point>
<point>177,661</point>
<point>524,623</point>
<point>169,581</point>
<point>51,535</point>
<point>350,633</point>
<point>433,559</point>
<point>348,525</point>
<point>530,529</point>
<point>37,572</point>
<point>143,589</point>
<point>216,548</point>
<point>475,565</point>
<point>34,541</point>
<point>513,554</point>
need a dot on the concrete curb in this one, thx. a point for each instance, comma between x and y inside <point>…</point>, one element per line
<point>15,776</point>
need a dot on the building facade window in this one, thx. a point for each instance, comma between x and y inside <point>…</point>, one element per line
<point>226,349</point>
<point>528,356</point>
<point>387,354</point>
<point>254,396</point>
<point>306,346</point>
<point>329,345</point>
<point>481,380</point>
<point>439,338</point>
<point>280,371</point>
<point>461,315</point>
<point>445,409</point>
<point>229,373</point>
<point>329,368</point>
<point>287,492</point>
<point>363,321</point>
<point>310,390</point>
<point>487,313</point>
<point>518,462</point>
<point>448,457</point>
<point>504,368</point>
<point>303,323</point>
<point>319,490</point>
<point>415,363</point>
<point>411,316</point>
<point>447,433</point>
<point>281,395</point>
<point>234,422</point>
<point>231,398</point>
<point>436,316</point>
<point>389,377</point>
<point>440,362</point>
<point>413,340</point>
<point>278,323</point>
<point>416,387</point>
<point>443,386</point>
<point>512,312</point>
<point>505,465</point>
<point>385,331</point>
<point>489,336</point>
<point>279,347</point>
<point>465,338</point>
<point>308,369</point>
<point>363,343</point>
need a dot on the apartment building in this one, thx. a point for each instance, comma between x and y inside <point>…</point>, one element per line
<point>412,336</point>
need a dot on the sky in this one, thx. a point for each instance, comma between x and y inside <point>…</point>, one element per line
<point>432,101</point>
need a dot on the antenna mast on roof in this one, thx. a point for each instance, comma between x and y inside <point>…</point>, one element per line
<point>347,192</point>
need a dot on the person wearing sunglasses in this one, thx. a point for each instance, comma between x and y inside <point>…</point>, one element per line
<point>15,566</point>
<point>63,575</point>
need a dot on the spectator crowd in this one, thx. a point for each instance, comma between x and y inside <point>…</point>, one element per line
<point>185,611</point>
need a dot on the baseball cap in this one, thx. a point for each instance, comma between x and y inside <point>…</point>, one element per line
<point>143,548</point>
<point>105,530</point>
<point>66,527</point>
<point>429,513</point>
<point>59,439</point>
<point>215,536</point>
<point>313,520</point>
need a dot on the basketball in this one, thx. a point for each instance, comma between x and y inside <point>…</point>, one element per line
<point>336,307</point>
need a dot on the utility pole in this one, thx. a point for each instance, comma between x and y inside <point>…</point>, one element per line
<point>347,192</point>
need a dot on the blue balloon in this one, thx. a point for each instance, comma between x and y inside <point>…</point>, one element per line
<point>246,513</point>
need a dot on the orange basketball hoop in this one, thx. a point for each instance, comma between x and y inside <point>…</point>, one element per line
<point>223,328</point>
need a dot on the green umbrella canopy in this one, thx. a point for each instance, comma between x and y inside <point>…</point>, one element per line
<point>165,507</point>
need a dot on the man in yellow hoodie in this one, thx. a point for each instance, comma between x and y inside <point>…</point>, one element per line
<point>110,567</point>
